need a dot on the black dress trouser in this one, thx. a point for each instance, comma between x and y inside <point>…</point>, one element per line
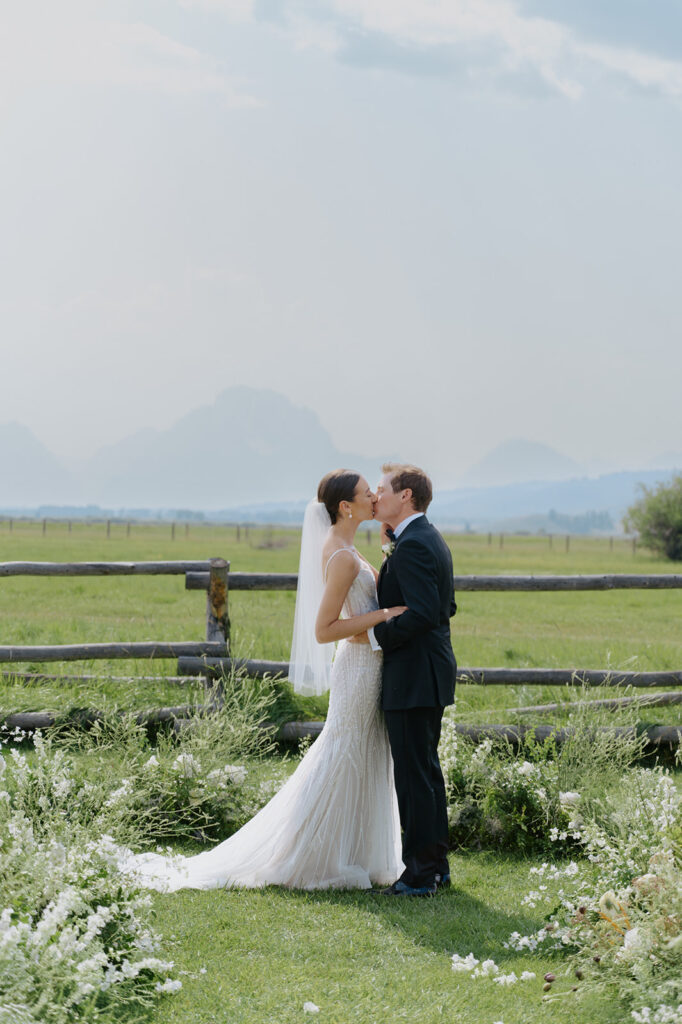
<point>414,734</point>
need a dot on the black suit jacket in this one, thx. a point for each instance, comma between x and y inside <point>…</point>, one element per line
<point>419,663</point>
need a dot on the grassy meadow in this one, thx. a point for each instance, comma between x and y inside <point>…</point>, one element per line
<point>635,630</point>
<point>256,957</point>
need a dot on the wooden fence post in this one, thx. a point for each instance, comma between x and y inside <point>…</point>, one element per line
<point>501,540</point>
<point>11,525</point>
<point>369,537</point>
<point>217,618</point>
<point>239,537</point>
<point>128,528</point>
<point>108,528</point>
<point>44,526</point>
<point>551,541</point>
<point>172,531</point>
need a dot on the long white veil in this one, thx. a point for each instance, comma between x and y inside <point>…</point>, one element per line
<point>310,663</point>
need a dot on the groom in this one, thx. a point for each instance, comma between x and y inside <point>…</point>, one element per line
<point>418,670</point>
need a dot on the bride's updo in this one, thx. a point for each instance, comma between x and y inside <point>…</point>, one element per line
<point>335,487</point>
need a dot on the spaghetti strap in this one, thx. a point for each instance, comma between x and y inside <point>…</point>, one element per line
<point>352,550</point>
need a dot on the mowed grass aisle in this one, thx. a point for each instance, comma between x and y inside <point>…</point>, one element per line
<point>364,958</point>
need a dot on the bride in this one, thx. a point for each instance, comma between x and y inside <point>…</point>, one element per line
<point>334,823</point>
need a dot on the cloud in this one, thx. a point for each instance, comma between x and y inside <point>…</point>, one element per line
<point>66,44</point>
<point>642,69</point>
<point>479,41</point>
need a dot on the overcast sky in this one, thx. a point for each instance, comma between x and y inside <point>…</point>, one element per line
<point>438,223</point>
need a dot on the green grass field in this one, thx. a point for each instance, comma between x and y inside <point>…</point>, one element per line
<point>364,959</point>
<point>634,630</point>
<point>257,957</point>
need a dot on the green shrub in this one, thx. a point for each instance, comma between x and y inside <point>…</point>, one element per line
<point>657,517</point>
<point>533,799</point>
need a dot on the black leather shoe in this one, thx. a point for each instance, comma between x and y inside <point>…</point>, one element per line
<point>443,881</point>
<point>403,889</point>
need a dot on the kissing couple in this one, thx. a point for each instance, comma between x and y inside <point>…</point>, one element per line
<point>366,806</point>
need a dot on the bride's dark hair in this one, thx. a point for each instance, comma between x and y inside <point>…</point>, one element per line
<point>335,487</point>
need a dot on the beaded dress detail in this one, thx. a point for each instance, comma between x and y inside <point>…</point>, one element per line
<point>334,823</point>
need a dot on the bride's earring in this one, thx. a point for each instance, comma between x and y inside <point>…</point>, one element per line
<point>350,515</point>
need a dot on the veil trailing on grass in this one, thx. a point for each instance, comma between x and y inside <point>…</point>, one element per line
<point>310,663</point>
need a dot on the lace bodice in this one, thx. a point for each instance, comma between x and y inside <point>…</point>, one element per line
<point>362,596</point>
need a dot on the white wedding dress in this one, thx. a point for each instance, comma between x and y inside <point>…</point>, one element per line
<point>334,823</point>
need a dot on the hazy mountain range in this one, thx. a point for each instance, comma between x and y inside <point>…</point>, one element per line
<point>246,447</point>
<point>230,459</point>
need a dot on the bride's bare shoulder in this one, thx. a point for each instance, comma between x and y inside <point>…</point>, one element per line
<point>340,557</point>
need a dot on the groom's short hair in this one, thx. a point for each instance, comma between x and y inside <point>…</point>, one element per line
<point>404,476</point>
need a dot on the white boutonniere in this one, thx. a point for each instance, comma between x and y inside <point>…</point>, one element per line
<point>388,548</point>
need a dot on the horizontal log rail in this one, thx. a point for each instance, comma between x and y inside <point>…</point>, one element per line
<point>87,652</point>
<point>246,580</point>
<point>105,568</point>
<point>40,678</point>
<point>661,581</point>
<point>197,577</point>
<point>641,700</point>
<point>198,580</point>
<point>657,737</point>
<point>29,721</point>
<point>214,667</point>
<point>566,677</point>
<point>180,718</point>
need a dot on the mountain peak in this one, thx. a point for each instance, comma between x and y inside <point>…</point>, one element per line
<point>518,461</point>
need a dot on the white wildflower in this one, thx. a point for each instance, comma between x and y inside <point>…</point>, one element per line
<point>169,985</point>
<point>187,764</point>
<point>310,1008</point>
<point>487,969</point>
<point>464,963</point>
<point>236,773</point>
<point>124,790</point>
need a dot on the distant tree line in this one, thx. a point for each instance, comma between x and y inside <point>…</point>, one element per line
<point>586,522</point>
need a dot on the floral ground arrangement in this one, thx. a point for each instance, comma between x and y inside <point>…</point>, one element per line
<point>566,896</point>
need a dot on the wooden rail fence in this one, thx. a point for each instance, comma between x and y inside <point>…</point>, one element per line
<point>211,658</point>
<point>215,573</point>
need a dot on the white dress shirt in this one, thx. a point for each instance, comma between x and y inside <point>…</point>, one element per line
<point>374,644</point>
